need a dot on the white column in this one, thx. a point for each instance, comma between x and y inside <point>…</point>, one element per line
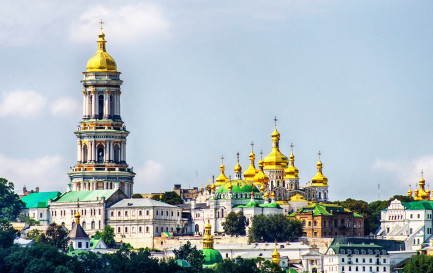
<point>93,104</point>
<point>106,105</point>
<point>79,150</point>
<point>124,151</point>
<point>110,150</point>
<point>94,150</point>
<point>106,151</point>
<point>84,104</point>
<point>118,103</point>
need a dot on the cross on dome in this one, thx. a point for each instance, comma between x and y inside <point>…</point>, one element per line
<point>252,146</point>
<point>101,22</point>
<point>319,154</point>
<point>291,146</point>
<point>275,120</point>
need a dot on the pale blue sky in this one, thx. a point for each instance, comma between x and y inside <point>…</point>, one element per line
<point>205,78</point>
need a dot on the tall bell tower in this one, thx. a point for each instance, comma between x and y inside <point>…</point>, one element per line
<point>101,134</point>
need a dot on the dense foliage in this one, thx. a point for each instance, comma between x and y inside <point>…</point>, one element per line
<point>235,223</point>
<point>419,264</point>
<point>274,227</point>
<point>191,254</point>
<point>137,195</point>
<point>56,235</point>
<point>169,197</point>
<point>240,265</point>
<point>10,205</point>
<point>107,236</point>
<point>370,211</point>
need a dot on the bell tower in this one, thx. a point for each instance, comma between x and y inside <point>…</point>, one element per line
<point>101,134</point>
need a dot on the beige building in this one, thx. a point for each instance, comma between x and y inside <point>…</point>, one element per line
<point>138,221</point>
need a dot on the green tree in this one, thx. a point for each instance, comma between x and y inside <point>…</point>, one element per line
<point>419,264</point>
<point>137,195</point>
<point>56,235</point>
<point>107,236</point>
<point>235,223</point>
<point>35,235</point>
<point>268,266</point>
<point>360,207</point>
<point>274,227</point>
<point>237,265</point>
<point>10,205</point>
<point>169,197</point>
<point>191,254</point>
<point>7,234</point>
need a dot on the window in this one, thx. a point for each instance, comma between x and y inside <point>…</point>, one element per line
<point>140,213</point>
<point>342,259</point>
<point>126,229</point>
<point>147,212</point>
<point>80,244</point>
<point>156,229</point>
<point>83,225</point>
<point>126,213</point>
<point>40,215</point>
<point>384,261</point>
<point>156,212</point>
<point>118,230</point>
<point>139,229</point>
<point>147,229</point>
<point>178,214</point>
<point>118,213</point>
<point>92,225</point>
<point>172,213</point>
<point>411,216</point>
<point>87,244</point>
<point>419,215</point>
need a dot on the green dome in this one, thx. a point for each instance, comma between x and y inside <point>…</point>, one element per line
<point>182,263</point>
<point>211,257</point>
<point>238,186</point>
<point>251,204</point>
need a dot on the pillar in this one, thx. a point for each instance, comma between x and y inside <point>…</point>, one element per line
<point>93,104</point>
<point>79,152</point>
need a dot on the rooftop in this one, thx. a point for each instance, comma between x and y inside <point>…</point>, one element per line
<point>39,199</point>
<point>140,202</point>
<point>93,195</point>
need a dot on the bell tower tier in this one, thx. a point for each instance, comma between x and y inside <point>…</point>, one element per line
<point>101,134</point>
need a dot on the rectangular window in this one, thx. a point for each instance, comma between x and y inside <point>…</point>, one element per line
<point>419,215</point>
<point>342,260</point>
<point>384,261</point>
<point>411,216</point>
<point>80,244</point>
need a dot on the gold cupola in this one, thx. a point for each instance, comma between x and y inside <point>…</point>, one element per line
<point>275,159</point>
<point>238,168</point>
<point>319,179</point>
<point>261,178</point>
<point>208,238</point>
<point>291,172</point>
<point>77,217</point>
<point>222,178</point>
<point>276,255</point>
<point>101,61</point>
<point>422,194</point>
<point>409,192</point>
<point>251,171</point>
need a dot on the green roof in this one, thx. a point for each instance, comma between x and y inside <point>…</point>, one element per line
<point>39,199</point>
<point>182,263</point>
<point>73,196</point>
<point>418,205</point>
<point>325,209</point>
<point>211,257</point>
<point>270,205</point>
<point>238,186</point>
<point>389,245</point>
<point>338,247</point>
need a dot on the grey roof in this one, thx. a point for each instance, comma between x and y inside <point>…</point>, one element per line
<point>78,232</point>
<point>140,202</point>
<point>187,206</point>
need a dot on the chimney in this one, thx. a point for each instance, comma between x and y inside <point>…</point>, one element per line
<point>37,189</point>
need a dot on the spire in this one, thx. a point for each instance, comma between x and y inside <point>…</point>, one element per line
<point>251,171</point>
<point>101,61</point>
<point>208,238</point>
<point>160,195</point>
<point>77,215</point>
<point>101,40</point>
<point>276,255</point>
<point>238,168</point>
<point>222,178</point>
<point>291,172</point>
<point>212,187</point>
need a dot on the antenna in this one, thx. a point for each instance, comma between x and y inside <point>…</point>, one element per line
<point>378,191</point>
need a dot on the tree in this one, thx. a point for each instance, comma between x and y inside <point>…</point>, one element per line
<point>360,207</point>
<point>56,235</point>
<point>235,223</point>
<point>137,195</point>
<point>169,197</point>
<point>107,236</point>
<point>10,205</point>
<point>7,234</point>
<point>35,235</point>
<point>238,265</point>
<point>190,254</point>
<point>274,227</point>
<point>419,264</point>
<point>268,266</point>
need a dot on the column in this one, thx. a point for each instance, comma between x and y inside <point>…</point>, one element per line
<point>94,150</point>
<point>106,151</point>
<point>124,151</point>
<point>110,146</point>
<point>79,152</point>
<point>84,104</point>
<point>106,104</point>
<point>118,103</point>
<point>93,104</point>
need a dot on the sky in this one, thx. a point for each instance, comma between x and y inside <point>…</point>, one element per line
<point>206,78</point>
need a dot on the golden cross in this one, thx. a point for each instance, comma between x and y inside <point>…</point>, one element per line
<point>275,120</point>
<point>319,154</point>
<point>291,146</point>
<point>222,159</point>
<point>252,146</point>
<point>237,156</point>
<point>101,22</point>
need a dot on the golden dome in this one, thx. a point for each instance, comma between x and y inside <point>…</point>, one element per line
<point>238,168</point>
<point>251,171</point>
<point>212,187</point>
<point>409,192</point>
<point>319,179</point>
<point>276,256</point>
<point>266,196</point>
<point>422,194</point>
<point>291,172</point>
<point>261,178</point>
<point>77,217</point>
<point>297,197</point>
<point>222,178</point>
<point>101,61</point>
<point>275,159</point>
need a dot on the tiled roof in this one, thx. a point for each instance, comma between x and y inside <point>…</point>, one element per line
<point>140,202</point>
<point>39,199</point>
<point>93,195</point>
<point>78,232</point>
<point>418,205</point>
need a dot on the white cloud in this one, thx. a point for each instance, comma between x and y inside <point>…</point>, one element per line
<point>21,103</point>
<point>407,172</point>
<point>151,177</point>
<point>65,107</point>
<point>128,23</point>
<point>47,172</point>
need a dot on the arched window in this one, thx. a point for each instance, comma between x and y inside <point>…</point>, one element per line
<point>116,153</point>
<point>84,153</point>
<point>126,229</point>
<point>118,230</point>
<point>83,225</point>
<point>73,224</point>
<point>93,224</point>
<point>197,228</point>
<point>320,195</point>
<point>303,223</point>
<point>101,106</point>
<point>139,229</point>
<point>100,153</point>
<point>140,212</point>
<point>147,229</point>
